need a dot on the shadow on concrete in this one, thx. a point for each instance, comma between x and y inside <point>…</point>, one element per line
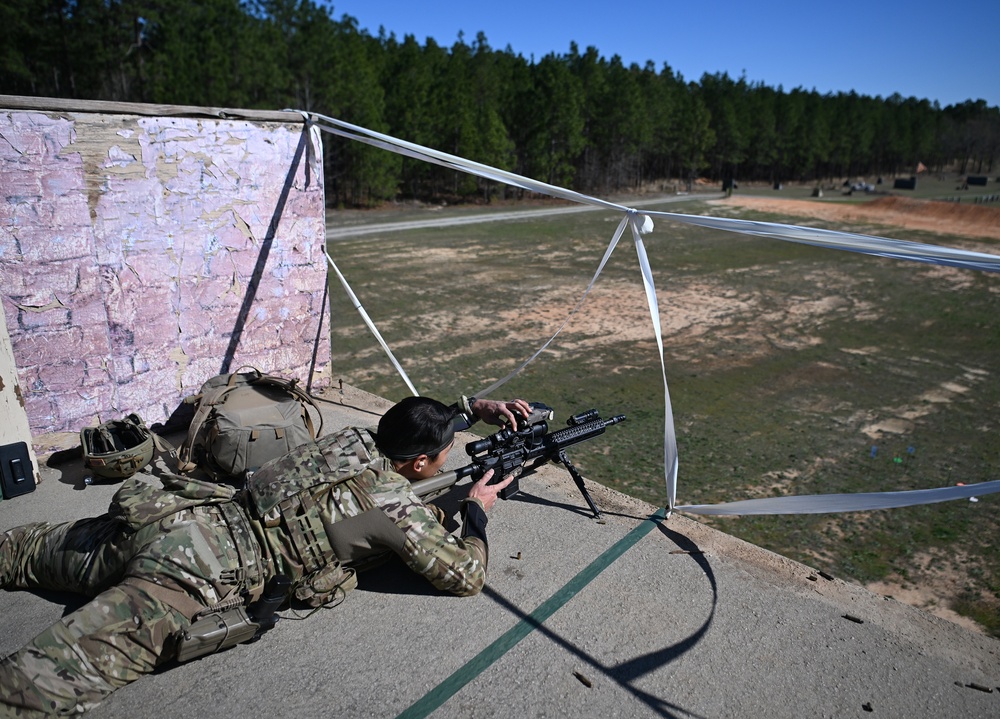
<point>627,673</point>
<point>392,576</point>
<point>634,669</point>
<point>581,509</point>
<point>67,464</point>
<point>70,601</point>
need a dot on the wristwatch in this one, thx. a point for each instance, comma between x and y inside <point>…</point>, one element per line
<point>466,405</point>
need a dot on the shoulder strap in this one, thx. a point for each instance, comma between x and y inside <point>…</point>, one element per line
<point>206,401</point>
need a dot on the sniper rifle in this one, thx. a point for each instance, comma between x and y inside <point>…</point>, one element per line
<point>508,451</point>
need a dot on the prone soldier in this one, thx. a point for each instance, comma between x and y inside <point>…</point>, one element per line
<point>172,549</point>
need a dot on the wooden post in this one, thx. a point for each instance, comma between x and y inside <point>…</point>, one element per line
<point>13,417</point>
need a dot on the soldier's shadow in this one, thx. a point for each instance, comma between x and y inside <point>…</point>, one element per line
<point>69,601</point>
<point>394,577</point>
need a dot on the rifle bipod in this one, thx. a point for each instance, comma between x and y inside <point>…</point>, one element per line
<point>578,479</point>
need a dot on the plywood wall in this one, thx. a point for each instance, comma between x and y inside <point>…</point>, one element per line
<point>141,255</point>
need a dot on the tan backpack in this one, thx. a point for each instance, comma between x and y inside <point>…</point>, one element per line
<point>243,420</point>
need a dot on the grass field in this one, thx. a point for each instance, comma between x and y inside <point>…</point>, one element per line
<point>792,370</point>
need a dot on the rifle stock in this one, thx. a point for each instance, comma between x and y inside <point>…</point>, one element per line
<point>440,482</point>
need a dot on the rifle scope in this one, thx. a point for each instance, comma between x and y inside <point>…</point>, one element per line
<point>504,438</point>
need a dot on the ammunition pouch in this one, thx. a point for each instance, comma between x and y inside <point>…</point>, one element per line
<point>227,625</point>
<point>324,575</point>
<point>288,492</point>
<point>214,632</point>
<point>325,585</point>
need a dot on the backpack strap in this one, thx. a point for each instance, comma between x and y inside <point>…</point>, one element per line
<point>206,401</point>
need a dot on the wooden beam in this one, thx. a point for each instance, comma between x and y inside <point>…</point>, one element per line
<point>60,104</point>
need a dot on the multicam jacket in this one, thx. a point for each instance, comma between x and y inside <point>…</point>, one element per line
<point>326,509</point>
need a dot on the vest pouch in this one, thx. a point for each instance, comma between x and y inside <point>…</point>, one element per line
<point>139,502</point>
<point>328,461</point>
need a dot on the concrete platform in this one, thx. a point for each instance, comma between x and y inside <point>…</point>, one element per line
<point>634,617</point>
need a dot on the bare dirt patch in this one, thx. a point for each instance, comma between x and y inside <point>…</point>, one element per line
<point>935,577</point>
<point>950,218</point>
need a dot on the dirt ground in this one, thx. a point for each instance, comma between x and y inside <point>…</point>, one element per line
<point>971,221</point>
<point>690,310</point>
<point>951,218</point>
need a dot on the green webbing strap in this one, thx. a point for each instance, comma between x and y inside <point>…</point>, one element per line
<point>482,661</point>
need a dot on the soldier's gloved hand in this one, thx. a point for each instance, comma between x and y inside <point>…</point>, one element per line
<point>494,411</point>
<point>487,493</point>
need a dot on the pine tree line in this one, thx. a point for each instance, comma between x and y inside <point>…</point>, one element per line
<point>577,119</point>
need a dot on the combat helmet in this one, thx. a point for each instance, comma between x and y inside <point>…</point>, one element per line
<point>118,448</point>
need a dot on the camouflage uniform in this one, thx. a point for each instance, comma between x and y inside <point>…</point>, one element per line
<point>170,548</point>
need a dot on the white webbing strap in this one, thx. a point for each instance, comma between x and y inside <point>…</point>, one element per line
<point>860,502</point>
<point>830,239</point>
<point>670,462</point>
<point>852,242</point>
<point>371,325</point>
<point>640,225</point>
<point>419,152</point>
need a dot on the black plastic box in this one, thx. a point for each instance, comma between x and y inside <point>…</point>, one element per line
<point>17,475</point>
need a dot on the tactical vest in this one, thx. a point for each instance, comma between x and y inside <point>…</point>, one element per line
<point>284,492</point>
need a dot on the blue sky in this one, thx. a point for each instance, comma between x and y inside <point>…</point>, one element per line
<point>920,48</point>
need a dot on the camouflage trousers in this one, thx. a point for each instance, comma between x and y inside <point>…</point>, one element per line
<point>146,585</point>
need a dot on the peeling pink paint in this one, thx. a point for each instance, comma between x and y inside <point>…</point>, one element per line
<point>126,250</point>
